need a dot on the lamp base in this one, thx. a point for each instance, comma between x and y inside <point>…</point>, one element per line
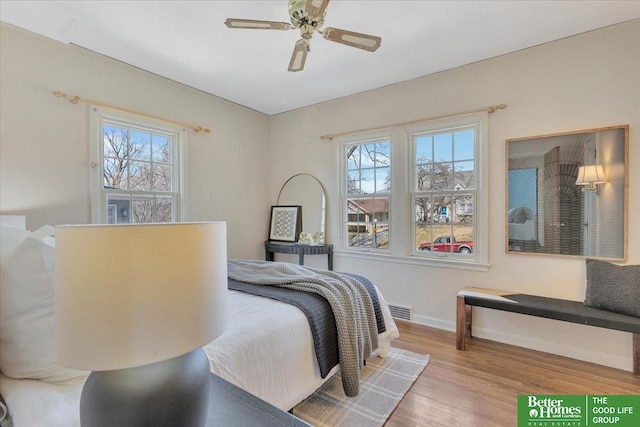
<point>173,392</point>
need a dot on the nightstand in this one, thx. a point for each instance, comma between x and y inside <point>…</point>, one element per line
<point>231,406</point>
<point>271,248</point>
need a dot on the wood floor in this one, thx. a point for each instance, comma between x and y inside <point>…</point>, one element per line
<point>479,387</point>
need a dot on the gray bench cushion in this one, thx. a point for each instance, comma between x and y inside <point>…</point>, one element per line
<point>613,287</point>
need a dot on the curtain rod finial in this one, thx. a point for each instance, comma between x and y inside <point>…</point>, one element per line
<point>71,99</point>
<point>201,129</point>
<point>494,108</point>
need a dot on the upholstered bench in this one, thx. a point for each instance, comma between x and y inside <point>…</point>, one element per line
<point>551,308</point>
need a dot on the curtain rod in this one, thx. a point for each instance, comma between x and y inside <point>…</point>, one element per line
<point>489,109</point>
<point>76,99</point>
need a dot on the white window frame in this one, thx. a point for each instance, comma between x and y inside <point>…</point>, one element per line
<point>401,210</point>
<point>100,115</point>
<point>369,139</point>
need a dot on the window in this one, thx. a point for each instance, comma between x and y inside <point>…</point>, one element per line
<point>137,171</point>
<point>368,185</point>
<point>431,177</point>
<point>444,190</point>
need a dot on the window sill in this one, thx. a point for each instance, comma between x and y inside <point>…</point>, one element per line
<point>427,262</point>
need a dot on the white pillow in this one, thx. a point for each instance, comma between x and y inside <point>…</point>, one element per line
<point>10,238</point>
<point>27,323</point>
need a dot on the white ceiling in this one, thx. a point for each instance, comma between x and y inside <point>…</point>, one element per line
<point>187,41</point>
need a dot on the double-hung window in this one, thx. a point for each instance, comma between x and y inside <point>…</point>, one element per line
<point>444,191</point>
<point>137,169</point>
<point>367,187</point>
<point>418,193</point>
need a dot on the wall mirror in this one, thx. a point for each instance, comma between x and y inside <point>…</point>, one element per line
<point>305,190</point>
<point>567,194</point>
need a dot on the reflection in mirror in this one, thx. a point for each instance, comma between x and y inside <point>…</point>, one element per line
<point>567,194</point>
<point>305,190</point>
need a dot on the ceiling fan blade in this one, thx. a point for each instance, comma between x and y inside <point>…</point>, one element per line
<point>350,38</point>
<point>299,55</point>
<point>256,24</point>
<point>316,8</point>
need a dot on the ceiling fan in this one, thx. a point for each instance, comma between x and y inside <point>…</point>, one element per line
<point>308,16</point>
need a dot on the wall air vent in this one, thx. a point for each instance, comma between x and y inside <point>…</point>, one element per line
<point>401,311</point>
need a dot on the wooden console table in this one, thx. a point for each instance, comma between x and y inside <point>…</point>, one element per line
<point>271,248</point>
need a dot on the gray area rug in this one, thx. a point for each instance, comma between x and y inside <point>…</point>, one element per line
<point>383,383</point>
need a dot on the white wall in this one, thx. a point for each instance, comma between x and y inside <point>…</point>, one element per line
<point>235,173</point>
<point>578,83</point>
<point>44,140</point>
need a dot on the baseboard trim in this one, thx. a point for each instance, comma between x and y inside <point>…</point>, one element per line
<point>433,322</point>
<point>578,353</point>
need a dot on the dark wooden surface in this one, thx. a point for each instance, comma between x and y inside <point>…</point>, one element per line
<point>271,248</point>
<point>231,406</point>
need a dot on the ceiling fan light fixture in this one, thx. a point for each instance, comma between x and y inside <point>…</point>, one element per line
<point>306,31</point>
<point>301,15</point>
<point>308,16</point>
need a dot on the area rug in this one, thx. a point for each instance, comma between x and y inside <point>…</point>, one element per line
<point>383,383</point>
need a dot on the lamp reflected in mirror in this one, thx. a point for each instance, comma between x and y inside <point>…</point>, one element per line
<point>590,177</point>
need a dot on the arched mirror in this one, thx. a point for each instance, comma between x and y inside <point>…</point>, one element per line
<point>567,194</point>
<point>305,190</point>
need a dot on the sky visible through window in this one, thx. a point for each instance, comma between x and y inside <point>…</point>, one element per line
<point>445,146</point>
<point>369,170</point>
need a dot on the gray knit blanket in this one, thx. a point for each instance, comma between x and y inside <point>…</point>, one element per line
<point>348,298</point>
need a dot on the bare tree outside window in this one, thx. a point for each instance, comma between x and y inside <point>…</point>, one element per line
<point>430,188</point>
<point>368,184</point>
<point>137,170</point>
<point>444,169</point>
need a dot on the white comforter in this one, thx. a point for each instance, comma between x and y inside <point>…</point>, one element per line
<point>275,362</point>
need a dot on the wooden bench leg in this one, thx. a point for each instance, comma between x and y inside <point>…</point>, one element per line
<point>636,354</point>
<point>463,322</point>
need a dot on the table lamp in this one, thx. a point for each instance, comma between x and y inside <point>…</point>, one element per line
<point>135,304</point>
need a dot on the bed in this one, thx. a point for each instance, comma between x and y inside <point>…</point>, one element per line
<point>267,349</point>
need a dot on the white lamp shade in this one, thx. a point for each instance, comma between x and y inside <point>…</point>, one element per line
<point>132,295</point>
<point>590,174</point>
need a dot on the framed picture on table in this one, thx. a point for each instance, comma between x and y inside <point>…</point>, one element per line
<point>285,224</point>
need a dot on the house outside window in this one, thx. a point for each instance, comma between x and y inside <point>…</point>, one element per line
<point>367,188</point>
<point>418,191</point>
<point>444,190</point>
<point>137,169</point>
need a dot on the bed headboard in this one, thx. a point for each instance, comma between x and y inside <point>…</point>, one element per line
<point>17,221</point>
